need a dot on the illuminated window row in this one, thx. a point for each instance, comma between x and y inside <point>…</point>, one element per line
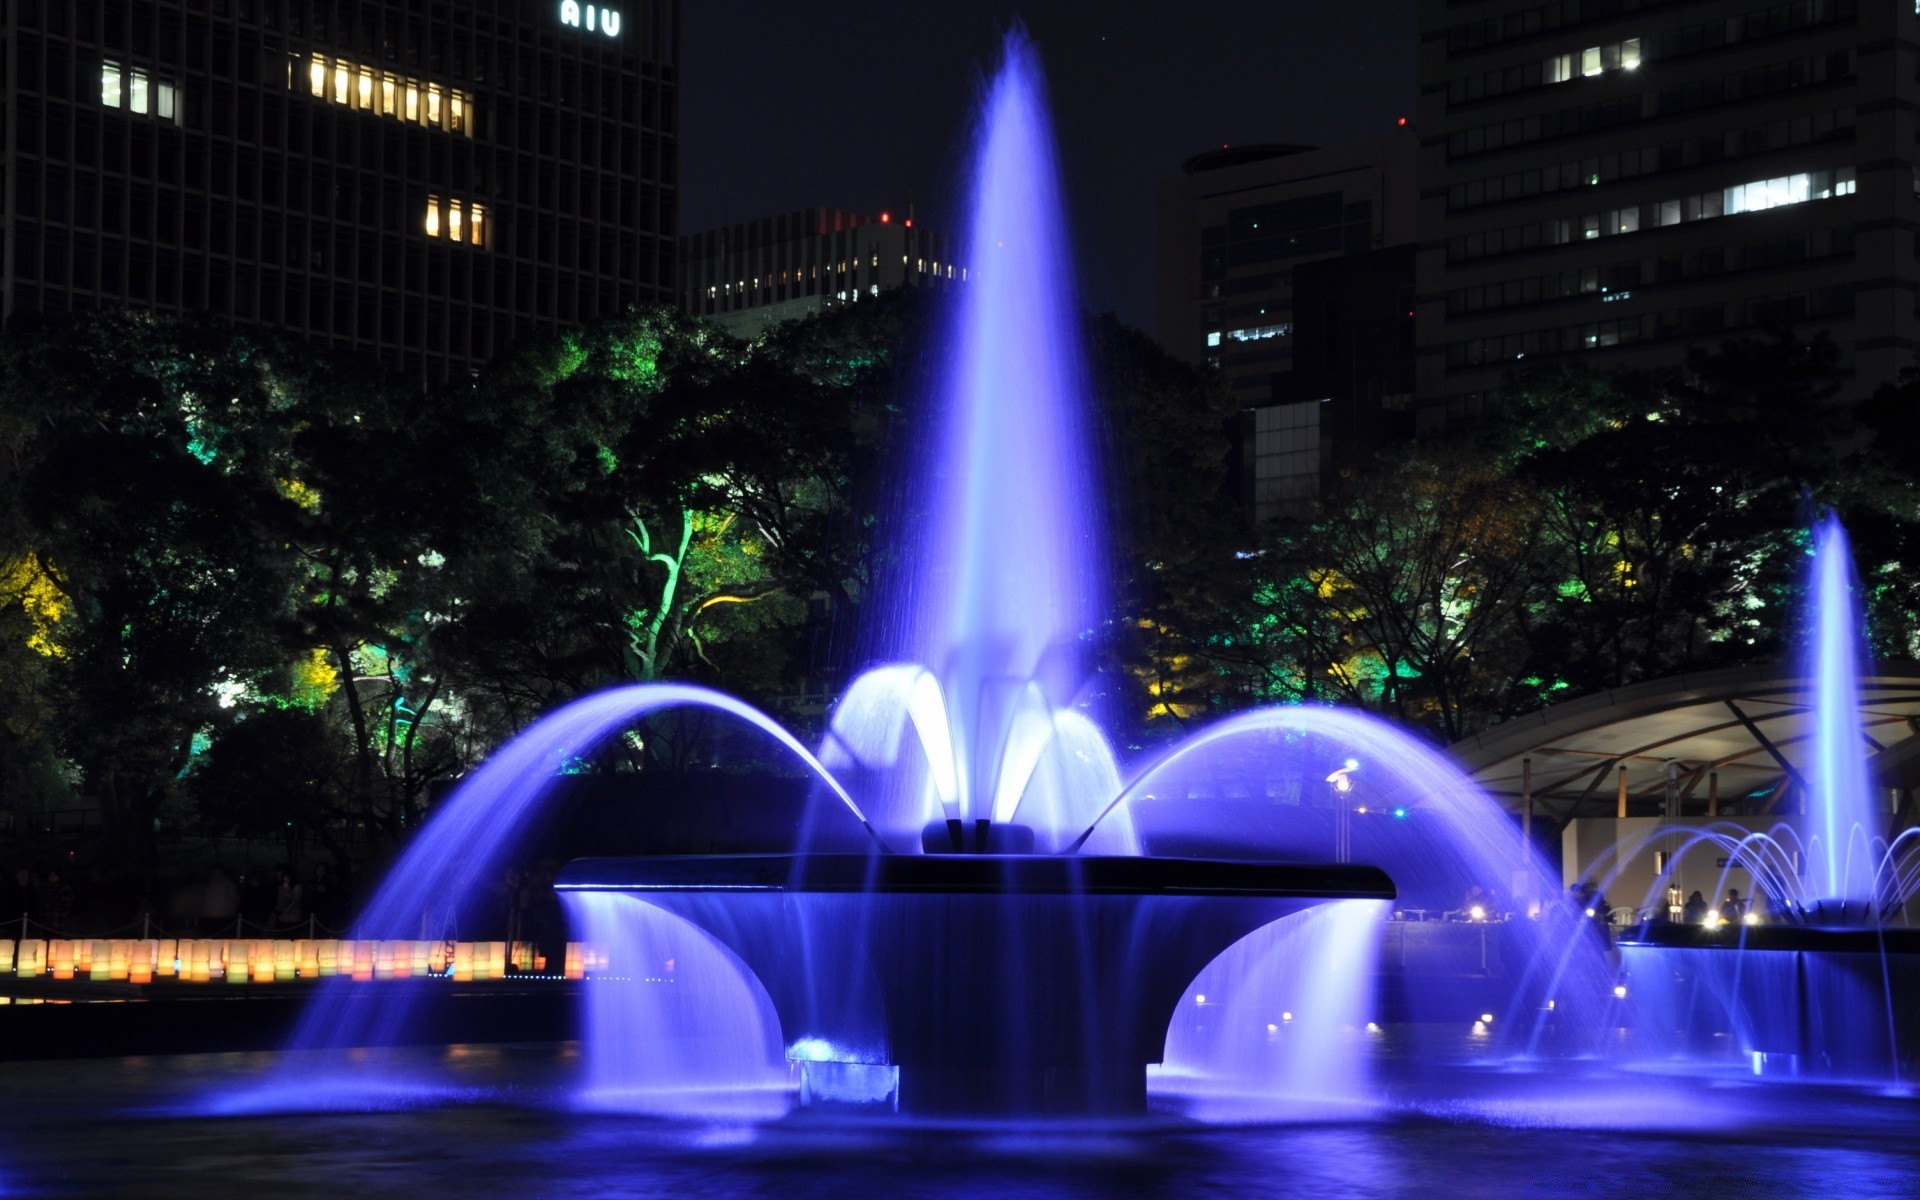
<point>382,92</point>
<point>1557,13</point>
<point>1594,60</point>
<point>1714,147</point>
<point>131,89</point>
<point>1757,196</point>
<point>1557,68</point>
<point>1768,80</point>
<point>457,220</point>
<point>1745,197</point>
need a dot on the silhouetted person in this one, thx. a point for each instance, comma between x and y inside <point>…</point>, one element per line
<point>1695,912</point>
<point>1733,907</point>
<point>289,902</point>
<point>1476,897</point>
<point>219,902</point>
<point>56,902</point>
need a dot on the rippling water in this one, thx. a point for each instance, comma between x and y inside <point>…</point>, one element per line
<point>491,1121</point>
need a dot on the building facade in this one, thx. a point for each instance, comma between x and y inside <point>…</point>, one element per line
<point>415,181</point>
<point>748,278</point>
<point>1274,268</point>
<point>1620,181</point>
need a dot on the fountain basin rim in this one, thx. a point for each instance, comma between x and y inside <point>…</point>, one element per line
<point>977,874</point>
<point>1856,939</point>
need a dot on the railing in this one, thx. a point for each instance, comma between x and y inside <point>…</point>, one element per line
<point>1458,915</point>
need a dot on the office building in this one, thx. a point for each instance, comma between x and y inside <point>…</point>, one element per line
<point>420,181</point>
<point>748,278</point>
<point>1278,267</point>
<point>1617,182</point>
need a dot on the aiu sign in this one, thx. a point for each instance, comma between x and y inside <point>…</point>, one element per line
<point>591,17</point>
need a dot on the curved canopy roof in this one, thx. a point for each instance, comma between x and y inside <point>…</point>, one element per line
<point>1736,739</point>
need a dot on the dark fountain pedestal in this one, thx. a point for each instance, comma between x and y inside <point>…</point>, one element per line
<point>1835,1000</point>
<point>997,984</point>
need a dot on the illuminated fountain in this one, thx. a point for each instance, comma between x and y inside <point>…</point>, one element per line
<point>979,914</point>
<point>1818,976</point>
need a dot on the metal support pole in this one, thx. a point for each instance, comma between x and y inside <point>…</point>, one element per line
<point>1713,793</point>
<point>1526,805</point>
<point>1621,806</point>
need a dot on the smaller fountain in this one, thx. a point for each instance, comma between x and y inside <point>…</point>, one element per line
<point>1813,984</point>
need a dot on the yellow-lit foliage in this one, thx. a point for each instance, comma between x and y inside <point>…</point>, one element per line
<point>24,581</point>
<point>314,679</point>
<point>305,495</point>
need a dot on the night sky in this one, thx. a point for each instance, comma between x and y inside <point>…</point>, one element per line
<point>860,105</point>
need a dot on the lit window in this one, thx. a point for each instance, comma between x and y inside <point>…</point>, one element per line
<point>137,94</point>
<point>457,220</point>
<point>167,106</point>
<point>110,85</point>
<point>1590,61</point>
<point>1763,194</point>
<point>1258,333</point>
<point>389,95</point>
<point>1213,338</point>
<point>1560,68</point>
<point>1630,54</point>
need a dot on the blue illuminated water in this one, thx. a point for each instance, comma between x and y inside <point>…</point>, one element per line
<point>979,717</point>
<point>1483,1132</point>
<point>1841,801</point>
<point>478,829</point>
<point>1007,577</point>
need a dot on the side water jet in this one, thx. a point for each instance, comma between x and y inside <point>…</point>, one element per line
<point>682,1026</point>
<point>471,835</point>
<point>1277,1026</point>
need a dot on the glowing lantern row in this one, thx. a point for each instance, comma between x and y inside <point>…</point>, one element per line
<point>269,960</point>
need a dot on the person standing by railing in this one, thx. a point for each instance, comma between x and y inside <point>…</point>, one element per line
<point>56,902</point>
<point>289,903</point>
<point>219,903</point>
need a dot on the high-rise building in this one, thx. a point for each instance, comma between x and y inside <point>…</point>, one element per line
<point>1277,267</point>
<point>415,180</point>
<point>749,277</point>
<point>1619,181</point>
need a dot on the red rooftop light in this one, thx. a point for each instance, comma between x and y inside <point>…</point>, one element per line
<point>884,218</point>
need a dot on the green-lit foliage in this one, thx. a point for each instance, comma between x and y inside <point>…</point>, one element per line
<point>1598,530</point>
